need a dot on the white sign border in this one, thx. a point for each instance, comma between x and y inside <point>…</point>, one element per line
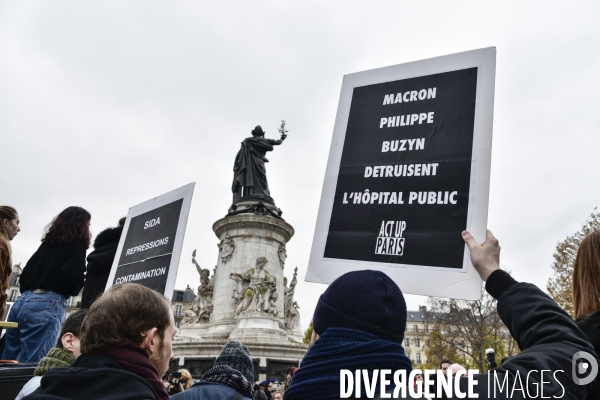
<point>413,279</point>
<point>185,192</point>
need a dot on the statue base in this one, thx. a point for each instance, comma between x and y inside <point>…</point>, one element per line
<point>245,237</point>
<point>254,206</point>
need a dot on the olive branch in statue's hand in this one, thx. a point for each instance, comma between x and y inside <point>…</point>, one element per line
<point>282,130</point>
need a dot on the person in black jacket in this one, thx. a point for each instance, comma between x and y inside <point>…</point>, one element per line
<point>126,345</point>
<point>546,334</point>
<point>99,263</point>
<point>586,294</point>
<point>54,272</point>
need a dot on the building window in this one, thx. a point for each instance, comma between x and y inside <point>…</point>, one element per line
<point>178,310</point>
<point>179,296</point>
<point>416,328</point>
<point>418,343</point>
<point>13,295</point>
<point>405,328</point>
<point>418,358</point>
<point>407,342</point>
<point>426,328</point>
<point>177,324</point>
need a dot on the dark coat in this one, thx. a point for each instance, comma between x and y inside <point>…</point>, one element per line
<point>547,336</point>
<point>209,391</point>
<point>99,264</point>
<point>590,325</point>
<point>93,376</point>
<point>56,267</point>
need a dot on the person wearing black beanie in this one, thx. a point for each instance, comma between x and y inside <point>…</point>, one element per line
<point>368,301</point>
<point>360,320</point>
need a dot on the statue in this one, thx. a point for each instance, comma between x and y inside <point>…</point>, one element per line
<point>288,301</point>
<point>199,309</point>
<point>254,289</point>
<point>249,173</point>
<point>282,255</point>
<point>293,323</point>
<point>226,248</point>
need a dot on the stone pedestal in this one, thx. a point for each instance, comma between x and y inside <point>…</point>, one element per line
<point>244,238</point>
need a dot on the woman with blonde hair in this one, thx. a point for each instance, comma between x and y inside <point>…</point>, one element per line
<point>188,378</point>
<point>9,227</point>
<point>586,294</point>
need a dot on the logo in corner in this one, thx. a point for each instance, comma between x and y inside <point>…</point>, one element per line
<point>585,368</point>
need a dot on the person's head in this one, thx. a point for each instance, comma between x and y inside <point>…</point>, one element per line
<point>586,276</point>
<point>70,333</point>
<point>366,300</point>
<point>9,222</point>
<point>263,385</point>
<point>288,373</point>
<point>454,368</point>
<point>188,378</point>
<point>444,365</point>
<point>418,378</point>
<point>269,385</point>
<point>71,225</point>
<point>122,221</point>
<point>258,131</point>
<point>277,395</point>
<point>131,313</point>
<point>237,356</point>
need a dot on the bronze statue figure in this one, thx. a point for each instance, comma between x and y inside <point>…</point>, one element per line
<point>249,173</point>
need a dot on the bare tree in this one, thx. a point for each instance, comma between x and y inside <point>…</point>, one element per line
<point>462,330</point>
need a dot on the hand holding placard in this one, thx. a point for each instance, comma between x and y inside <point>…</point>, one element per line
<point>486,256</point>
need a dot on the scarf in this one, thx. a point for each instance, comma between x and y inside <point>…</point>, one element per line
<point>341,348</point>
<point>56,358</point>
<point>135,359</point>
<point>229,377</point>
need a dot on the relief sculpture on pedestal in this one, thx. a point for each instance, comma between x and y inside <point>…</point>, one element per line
<point>199,310</point>
<point>290,307</point>
<point>255,289</point>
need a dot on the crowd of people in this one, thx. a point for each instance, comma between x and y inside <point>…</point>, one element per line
<point>119,346</point>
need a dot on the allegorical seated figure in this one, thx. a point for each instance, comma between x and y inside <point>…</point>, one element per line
<point>255,288</point>
<point>249,173</point>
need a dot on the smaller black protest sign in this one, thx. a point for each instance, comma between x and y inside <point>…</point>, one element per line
<point>151,242</point>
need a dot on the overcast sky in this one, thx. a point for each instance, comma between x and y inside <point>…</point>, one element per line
<point>105,104</point>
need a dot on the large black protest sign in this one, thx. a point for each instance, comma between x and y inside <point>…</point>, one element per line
<point>403,188</point>
<point>150,245</point>
<point>408,171</point>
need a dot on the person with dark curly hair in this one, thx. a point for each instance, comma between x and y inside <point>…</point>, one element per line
<point>54,272</point>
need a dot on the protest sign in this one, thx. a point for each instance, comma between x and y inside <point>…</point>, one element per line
<point>408,171</point>
<point>150,245</point>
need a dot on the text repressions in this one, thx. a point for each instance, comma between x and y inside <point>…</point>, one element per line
<point>147,246</point>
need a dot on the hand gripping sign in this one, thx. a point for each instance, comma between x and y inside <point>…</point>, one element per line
<point>150,245</point>
<point>408,171</point>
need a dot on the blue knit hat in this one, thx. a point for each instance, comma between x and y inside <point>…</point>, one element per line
<point>237,356</point>
<point>364,300</point>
